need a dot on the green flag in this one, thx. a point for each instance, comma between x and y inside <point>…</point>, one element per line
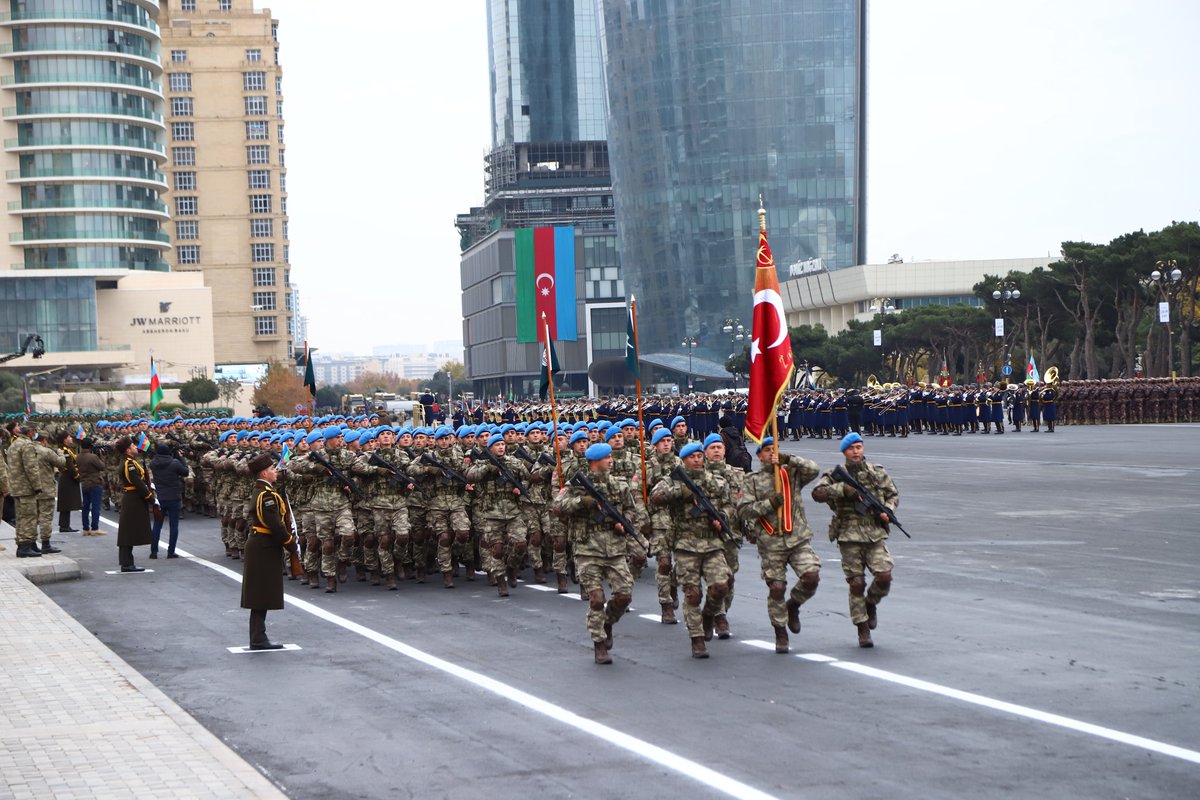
<point>546,374</point>
<point>310,379</point>
<point>631,353</point>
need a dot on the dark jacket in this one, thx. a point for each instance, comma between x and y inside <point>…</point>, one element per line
<point>736,454</point>
<point>69,496</point>
<point>269,535</point>
<point>91,470</point>
<point>133,525</point>
<point>168,473</point>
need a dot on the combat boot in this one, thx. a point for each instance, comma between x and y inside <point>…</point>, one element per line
<point>419,573</point>
<point>390,579</point>
<point>872,616</point>
<point>343,568</point>
<point>698,648</point>
<point>376,577</point>
<point>49,548</point>
<point>864,635</point>
<point>502,585</point>
<point>668,614</point>
<point>608,637</point>
<point>562,583</point>
<point>708,621</point>
<point>469,570</point>
<point>331,583</point>
<point>601,655</point>
<point>447,580</point>
<point>722,624</point>
<point>34,548</point>
<point>793,612</point>
<point>360,573</point>
<point>539,575</point>
<point>24,550</point>
<point>781,639</point>
<point>314,582</point>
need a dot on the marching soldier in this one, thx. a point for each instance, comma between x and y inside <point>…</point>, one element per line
<point>503,540</point>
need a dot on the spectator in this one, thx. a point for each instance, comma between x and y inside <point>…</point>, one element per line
<point>91,482</point>
<point>167,472</point>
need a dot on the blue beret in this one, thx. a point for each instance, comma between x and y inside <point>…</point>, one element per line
<point>332,432</point>
<point>241,435</point>
<point>659,435</point>
<point>603,425</point>
<point>312,437</point>
<point>495,437</point>
<point>591,426</point>
<point>712,438</point>
<point>465,430</point>
<point>655,423</point>
<point>766,442</point>
<point>625,423</point>
<point>677,420</point>
<point>442,432</point>
<point>102,424</point>
<point>227,434</point>
<point>689,448</point>
<point>506,428</point>
<point>365,437</point>
<point>597,452</point>
<point>578,436</point>
<point>351,436</point>
<point>521,427</point>
<point>849,439</point>
<point>611,432</point>
<point>578,426</point>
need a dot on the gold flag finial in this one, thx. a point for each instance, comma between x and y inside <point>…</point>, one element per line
<point>762,215</point>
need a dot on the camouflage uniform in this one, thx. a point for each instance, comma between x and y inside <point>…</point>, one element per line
<point>330,514</point>
<point>544,528</point>
<point>301,487</point>
<point>735,478</point>
<point>426,479</point>
<point>861,539</point>
<point>779,547</point>
<point>600,553</point>
<point>25,484</point>
<point>503,537</point>
<point>699,551</point>
<point>445,510</point>
<point>662,540</point>
<point>384,504</point>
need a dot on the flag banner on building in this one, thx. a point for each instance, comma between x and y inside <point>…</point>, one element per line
<point>156,392</point>
<point>554,369</point>
<point>310,378</point>
<point>1031,370</point>
<point>631,352</point>
<point>545,282</point>
<point>771,365</point>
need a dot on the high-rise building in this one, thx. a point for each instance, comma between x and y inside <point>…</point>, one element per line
<point>227,170</point>
<point>83,153</point>
<point>712,104</point>
<point>548,166</point>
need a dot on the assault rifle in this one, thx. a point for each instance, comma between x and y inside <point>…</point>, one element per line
<point>868,504</point>
<point>449,474</point>
<point>506,474</point>
<point>605,510</point>
<point>395,475</point>
<point>705,506</point>
<point>545,459</point>
<point>347,485</point>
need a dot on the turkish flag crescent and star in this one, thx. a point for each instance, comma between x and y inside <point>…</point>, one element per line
<point>771,363</point>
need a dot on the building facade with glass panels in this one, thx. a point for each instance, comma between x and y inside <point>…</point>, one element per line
<point>712,105</point>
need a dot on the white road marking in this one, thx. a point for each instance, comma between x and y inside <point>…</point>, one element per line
<point>537,587</point>
<point>658,755</point>
<point>759,643</point>
<point>123,572</point>
<point>245,649</point>
<point>816,657</point>
<point>652,617</point>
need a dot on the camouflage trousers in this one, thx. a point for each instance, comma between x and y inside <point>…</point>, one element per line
<point>502,543</point>
<point>593,572</point>
<point>451,529</point>
<point>418,553</point>
<point>664,576</point>
<point>692,568</point>
<point>774,566</point>
<point>385,532</point>
<point>35,515</point>
<point>335,532</point>
<point>734,562</point>
<point>856,558</point>
<point>537,525</point>
<point>364,526</point>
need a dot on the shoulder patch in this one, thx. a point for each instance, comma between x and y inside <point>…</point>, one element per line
<point>270,502</point>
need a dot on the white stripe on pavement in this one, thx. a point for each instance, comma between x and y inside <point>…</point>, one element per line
<point>685,767</point>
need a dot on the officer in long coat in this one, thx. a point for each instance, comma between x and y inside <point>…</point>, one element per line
<point>133,525</point>
<point>270,534</point>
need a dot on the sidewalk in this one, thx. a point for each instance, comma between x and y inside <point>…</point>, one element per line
<point>78,722</point>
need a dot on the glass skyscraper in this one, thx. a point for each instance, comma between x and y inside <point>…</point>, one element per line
<point>711,104</point>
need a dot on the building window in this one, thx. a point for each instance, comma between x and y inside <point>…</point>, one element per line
<point>285,229</point>
<point>254,55</point>
<point>260,179</point>
<point>180,81</point>
<point>279,109</point>
<point>183,156</point>
<point>283,182</point>
<point>254,81</point>
<point>260,204</point>
<point>185,206</point>
<point>282,160</point>
<point>276,55</point>
<point>178,56</point>
<point>187,5</point>
<point>264,276</point>
<point>257,130</point>
<point>262,252</point>
<point>278,85</point>
<point>181,106</point>
<point>275,31</point>
<point>187,229</point>
<point>256,106</point>
<point>258,154</point>
<point>287,303</point>
<point>287,254</point>
<point>281,134</point>
<point>183,131</point>
<point>264,301</point>
<point>264,326</point>
<point>188,253</point>
<point>185,181</point>
<point>262,228</point>
<point>283,206</point>
<point>225,5</point>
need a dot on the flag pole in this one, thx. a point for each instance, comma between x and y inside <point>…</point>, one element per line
<point>762,227</point>
<point>310,397</point>
<point>553,408</point>
<point>638,383</point>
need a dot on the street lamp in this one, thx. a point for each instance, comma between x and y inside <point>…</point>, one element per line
<point>1006,292</point>
<point>1166,278</point>
<point>885,305</point>
<point>691,343</point>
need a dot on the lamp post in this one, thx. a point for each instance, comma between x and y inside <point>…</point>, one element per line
<point>1005,293</point>
<point>737,333</point>
<point>691,343</point>
<point>885,306</point>
<point>1166,278</point>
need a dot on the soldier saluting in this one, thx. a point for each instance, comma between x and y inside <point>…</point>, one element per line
<point>270,534</point>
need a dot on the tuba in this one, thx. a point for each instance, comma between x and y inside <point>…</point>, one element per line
<point>872,382</point>
<point>1052,375</point>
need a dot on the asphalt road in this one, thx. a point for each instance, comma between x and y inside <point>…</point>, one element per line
<point>1041,640</point>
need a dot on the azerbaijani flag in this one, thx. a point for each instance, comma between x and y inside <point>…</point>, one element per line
<point>156,392</point>
<point>1031,370</point>
<point>143,442</point>
<point>545,282</point>
<point>80,433</point>
<point>285,456</point>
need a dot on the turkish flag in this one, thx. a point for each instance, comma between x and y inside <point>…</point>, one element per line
<point>771,363</point>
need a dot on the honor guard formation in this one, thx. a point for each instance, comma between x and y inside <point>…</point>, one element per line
<point>501,491</point>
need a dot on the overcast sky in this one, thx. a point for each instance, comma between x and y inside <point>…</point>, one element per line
<point>994,131</point>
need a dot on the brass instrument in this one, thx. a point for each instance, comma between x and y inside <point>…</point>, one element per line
<point>1052,375</point>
